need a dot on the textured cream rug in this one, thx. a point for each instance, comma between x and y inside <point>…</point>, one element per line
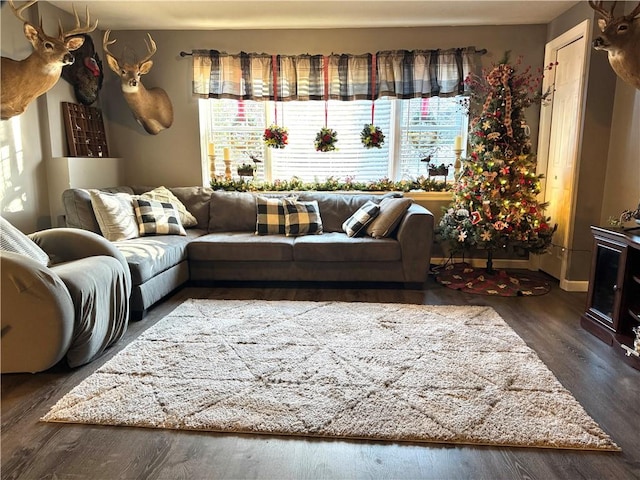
<point>353,370</point>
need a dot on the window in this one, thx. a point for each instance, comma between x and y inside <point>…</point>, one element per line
<point>428,127</point>
<point>414,129</point>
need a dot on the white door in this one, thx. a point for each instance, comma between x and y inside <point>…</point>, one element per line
<point>560,126</point>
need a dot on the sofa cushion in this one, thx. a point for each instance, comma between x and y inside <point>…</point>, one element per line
<point>13,240</point>
<point>362,217</point>
<point>149,256</point>
<point>163,194</point>
<point>115,215</point>
<point>338,247</point>
<point>79,211</point>
<point>196,200</point>
<point>301,218</point>
<point>157,218</point>
<point>232,212</point>
<point>336,208</point>
<point>391,212</point>
<point>241,246</point>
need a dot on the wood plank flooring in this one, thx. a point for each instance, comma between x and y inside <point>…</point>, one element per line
<point>608,389</point>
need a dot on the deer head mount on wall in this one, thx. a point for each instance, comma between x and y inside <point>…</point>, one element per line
<point>25,80</point>
<point>621,39</point>
<point>151,107</point>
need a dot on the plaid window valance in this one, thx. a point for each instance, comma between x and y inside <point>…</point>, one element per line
<point>398,73</point>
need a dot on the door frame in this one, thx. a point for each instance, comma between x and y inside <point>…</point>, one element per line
<point>582,30</point>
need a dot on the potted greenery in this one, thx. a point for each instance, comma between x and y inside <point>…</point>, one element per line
<point>246,170</point>
<point>436,170</point>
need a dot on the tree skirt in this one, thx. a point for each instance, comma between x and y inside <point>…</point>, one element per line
<point>464,277</point>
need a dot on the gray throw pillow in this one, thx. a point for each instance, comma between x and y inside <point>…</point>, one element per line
<point>391,212</point>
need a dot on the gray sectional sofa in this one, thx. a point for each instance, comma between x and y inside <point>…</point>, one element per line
<point>223,245</point>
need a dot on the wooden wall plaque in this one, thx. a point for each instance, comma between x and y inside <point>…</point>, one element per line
<point>85,131</point>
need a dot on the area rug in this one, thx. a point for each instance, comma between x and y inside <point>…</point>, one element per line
<point>390,372</point>
<point>464,277</point>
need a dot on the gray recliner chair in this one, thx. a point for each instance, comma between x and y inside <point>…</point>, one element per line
<point>64,292</point>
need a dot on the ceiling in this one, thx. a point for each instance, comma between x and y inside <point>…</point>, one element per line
<point>304,14</point>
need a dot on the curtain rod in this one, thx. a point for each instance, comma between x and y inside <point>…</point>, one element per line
<point>482,51</point>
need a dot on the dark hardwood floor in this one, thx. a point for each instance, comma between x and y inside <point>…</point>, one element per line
<point>608,389</point>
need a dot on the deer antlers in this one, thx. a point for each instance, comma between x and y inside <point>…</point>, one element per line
<point>77,29</point>
<point>62,35</point>
<point>18,11</point>
<point>151,46</point>
<point>597,6</point>
<point>106,43</point>
<point>608,15</point>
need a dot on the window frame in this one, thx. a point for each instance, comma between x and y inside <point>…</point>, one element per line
<point>393,138</point>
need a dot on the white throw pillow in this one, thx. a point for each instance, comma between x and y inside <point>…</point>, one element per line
<point>115,215</point>
<point>13,240</point>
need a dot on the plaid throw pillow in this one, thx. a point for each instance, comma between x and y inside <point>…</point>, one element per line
<point>163,194</point>
<point>157,218</point>
<point>270,218</point>
<point>357,222</point>
<point>301,218</point>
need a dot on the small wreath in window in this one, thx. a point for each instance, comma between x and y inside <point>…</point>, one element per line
<point>276,137</point>
<point>326,140</point>
<point>371,136</point>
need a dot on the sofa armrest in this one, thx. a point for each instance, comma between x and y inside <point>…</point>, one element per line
<point>415,234</point>
<point>67,244</point>
<point>37,315</point>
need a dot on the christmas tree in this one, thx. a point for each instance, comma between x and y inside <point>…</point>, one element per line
<point>495,205</point>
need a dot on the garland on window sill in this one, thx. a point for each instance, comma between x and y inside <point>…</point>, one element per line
<point>332,184</point>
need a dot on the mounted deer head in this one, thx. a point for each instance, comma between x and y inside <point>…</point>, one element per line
<point>151,107</point>
<point>621,39</point>
<point>25,80</point>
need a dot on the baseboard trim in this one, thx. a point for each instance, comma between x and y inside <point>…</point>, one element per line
<point>482,262</point>
<point>574,285</point>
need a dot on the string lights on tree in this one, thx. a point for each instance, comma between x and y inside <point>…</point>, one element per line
<point>495,205</point>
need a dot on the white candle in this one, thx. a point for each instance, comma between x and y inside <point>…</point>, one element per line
<point>457,145</point>
<point>211,148</point>
<point>227,154</point>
